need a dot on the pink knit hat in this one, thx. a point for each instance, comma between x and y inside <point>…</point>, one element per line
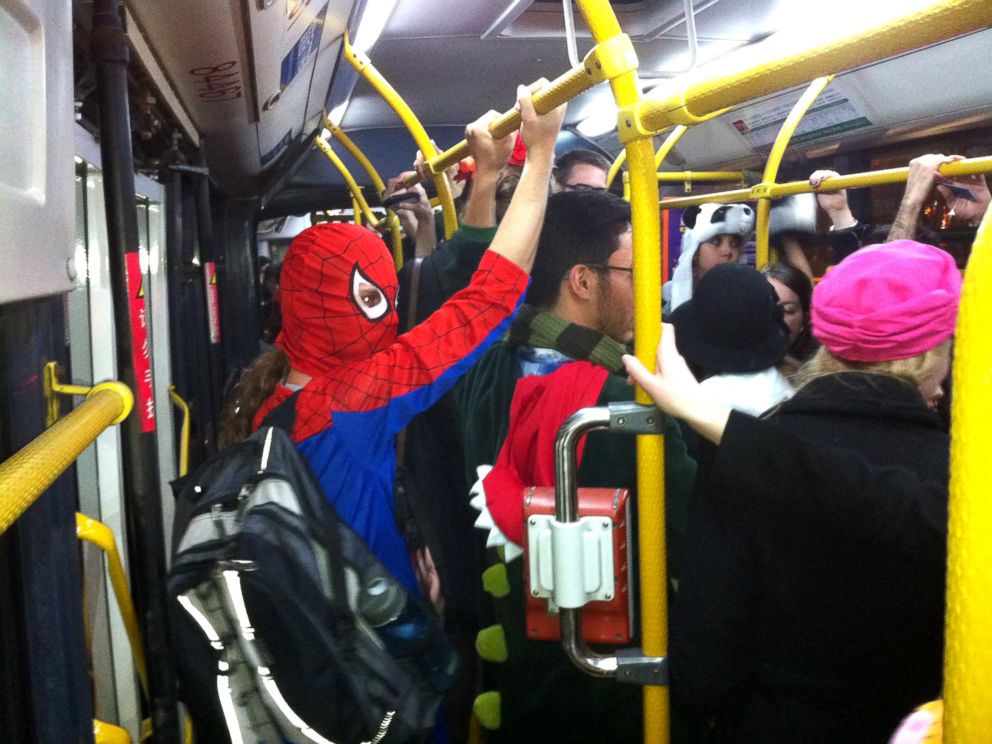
<point>889,301</point>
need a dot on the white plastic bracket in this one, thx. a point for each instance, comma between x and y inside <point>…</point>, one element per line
<point>571,563</point>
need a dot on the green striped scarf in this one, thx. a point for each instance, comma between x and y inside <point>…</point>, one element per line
<point>536,328</point>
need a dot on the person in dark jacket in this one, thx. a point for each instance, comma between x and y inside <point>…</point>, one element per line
<point>812,599</point>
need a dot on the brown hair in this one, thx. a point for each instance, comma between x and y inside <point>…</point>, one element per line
<point>915,370</point>
<point>254,387</point>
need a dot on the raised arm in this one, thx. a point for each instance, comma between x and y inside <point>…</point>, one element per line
<point>834,203</point>
<point>490,156</point>
<point>922,176</point>
<point>516,238</point>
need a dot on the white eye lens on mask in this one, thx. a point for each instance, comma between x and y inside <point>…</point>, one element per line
<point>369,299</point>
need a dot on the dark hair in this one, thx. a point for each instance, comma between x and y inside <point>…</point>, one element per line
<point>568,160</point>
<point>579,227</point>
<point>795,279</point>
<point>254,387</point>
<point>505,187</point>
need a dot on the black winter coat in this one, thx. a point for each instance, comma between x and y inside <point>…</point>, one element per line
<point>812,601</point>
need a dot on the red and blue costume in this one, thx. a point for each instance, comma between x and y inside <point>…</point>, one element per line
<point>338,295</point>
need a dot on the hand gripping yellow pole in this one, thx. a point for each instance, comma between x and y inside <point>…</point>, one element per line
<point>850,181</point>
<point>602,22</point>
<point>26,474</point>
<point>968,644</point>
<point>775,160</point>
<point>795,63</point>
<point>605,61</point>
<point>363,65</point>
<point>392,221</point>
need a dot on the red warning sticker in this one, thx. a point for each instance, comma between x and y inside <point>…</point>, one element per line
<point>213,307</point>
<point>141,350</point>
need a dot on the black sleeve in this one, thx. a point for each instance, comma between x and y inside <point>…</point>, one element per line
<point>765,467</point>
<point>846,241</point>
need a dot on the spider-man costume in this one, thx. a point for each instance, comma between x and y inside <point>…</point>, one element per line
<point>338,294</point>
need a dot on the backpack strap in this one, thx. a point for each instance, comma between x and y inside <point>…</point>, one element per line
<point>283,416</point>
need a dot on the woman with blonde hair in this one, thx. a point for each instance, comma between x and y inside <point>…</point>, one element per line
<point>812,600</point>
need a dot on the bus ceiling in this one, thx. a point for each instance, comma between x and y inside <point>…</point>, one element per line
<point>250,82</point>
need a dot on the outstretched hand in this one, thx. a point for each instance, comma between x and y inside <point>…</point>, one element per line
<point>676,391</point>
<point>971,210</point>
<point>834,203</point>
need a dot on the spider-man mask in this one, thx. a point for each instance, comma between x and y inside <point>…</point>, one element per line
<point>338,293</point>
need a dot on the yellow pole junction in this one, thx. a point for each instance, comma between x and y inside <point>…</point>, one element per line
<point>775,160</point>
<point>28,472</point>
<point>968,635</point>
<point>850,181</point>
<point>357,199</point>
<point>363,65</point>
<point>789,63</point>
<point>609,59</point>
<point>392,221</point>
<point>602,22</point>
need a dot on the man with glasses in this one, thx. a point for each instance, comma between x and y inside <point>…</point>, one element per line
<point>580,170</point>
<point>564,350</point>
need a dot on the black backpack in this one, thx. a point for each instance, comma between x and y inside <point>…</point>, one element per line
<point>273,600</point>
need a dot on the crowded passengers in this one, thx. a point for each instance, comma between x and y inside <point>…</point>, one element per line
<point>806,465</point>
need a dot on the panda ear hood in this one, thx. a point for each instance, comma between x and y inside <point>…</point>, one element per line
<point>689,216</point>
<point>703,223</point>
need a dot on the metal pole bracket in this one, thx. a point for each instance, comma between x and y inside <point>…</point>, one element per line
<point>635,668</point>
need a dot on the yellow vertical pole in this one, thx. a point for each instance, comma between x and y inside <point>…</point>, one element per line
<point>602,22</point>
<point>968,642</point>
<point>358,202</point>
<point>775,160</point>
<point>363,65</point>
<point>356,210</point>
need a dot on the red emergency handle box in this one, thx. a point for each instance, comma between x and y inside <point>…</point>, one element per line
<point>605,622</point>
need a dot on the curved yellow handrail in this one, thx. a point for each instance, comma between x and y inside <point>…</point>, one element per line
<point>27,473</point>
<point>392,221</point>
<point>968,636</point>
<point>356,190</point>
<point>699,95</point>
<point>775,160</point>
<point>850,181</point>
<point>602,22</point>
<point>184,432</point>
<point>101,535</point>
<point>666,147</point>
<point>615,168</point>
<point>363,65</point>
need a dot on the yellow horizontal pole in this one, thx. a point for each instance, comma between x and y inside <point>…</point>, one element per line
<point>679,176</point>
<point>101,535</point>
<point>184,433</point>
<point>356,190</point>
<point>795,64</point>
<point>28,472</point>
<point>363,65</point>
<point>835,183</point>
<point>605,61</point>
<point>968,635</point>
<point>775,160</point>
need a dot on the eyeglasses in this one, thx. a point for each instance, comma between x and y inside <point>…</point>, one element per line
<point>627,269</point>
<point>582,187</point>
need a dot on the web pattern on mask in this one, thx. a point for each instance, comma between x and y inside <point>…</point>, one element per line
<point>416,359</point>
